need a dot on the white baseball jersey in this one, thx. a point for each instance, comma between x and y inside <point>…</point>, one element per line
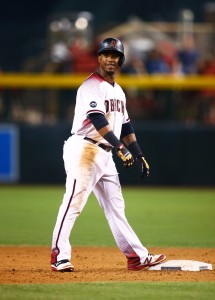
<point>96,95</point>
<point>90,168</point>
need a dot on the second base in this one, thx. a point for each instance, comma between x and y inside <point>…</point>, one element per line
<point>182,265</point>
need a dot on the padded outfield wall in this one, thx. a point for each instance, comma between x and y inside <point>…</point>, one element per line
<point>178,155</point>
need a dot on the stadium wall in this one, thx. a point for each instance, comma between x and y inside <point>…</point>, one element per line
<point>177,154</point>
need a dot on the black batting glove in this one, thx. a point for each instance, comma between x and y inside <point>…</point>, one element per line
<point>144,166</point>
<point>125,156</point>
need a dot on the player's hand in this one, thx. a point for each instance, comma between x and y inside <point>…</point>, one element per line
<point>125,156</point>
<point>144,166</point>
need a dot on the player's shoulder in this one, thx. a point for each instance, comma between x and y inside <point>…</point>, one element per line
<point>119,88</point>
<point>94,78</point>
<point>93,82</point>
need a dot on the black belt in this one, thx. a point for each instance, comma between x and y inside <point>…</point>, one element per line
<point>103,146</point>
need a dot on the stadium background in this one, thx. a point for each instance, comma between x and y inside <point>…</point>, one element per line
<point>180,152</point>
<point>24,24</point>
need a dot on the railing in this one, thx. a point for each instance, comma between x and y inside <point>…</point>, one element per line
<point>49,98</point>
<point>62,81</point>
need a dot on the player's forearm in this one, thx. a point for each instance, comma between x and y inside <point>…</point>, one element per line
<point>104,130</point>
<point>132,144</point>
<point>107,133</point>
<point>129,139</point>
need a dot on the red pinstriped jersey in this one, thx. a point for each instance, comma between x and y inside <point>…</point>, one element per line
<point>96,95</point>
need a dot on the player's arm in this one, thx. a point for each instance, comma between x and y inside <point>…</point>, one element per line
<point>129,139</point>
<point>102,126</point>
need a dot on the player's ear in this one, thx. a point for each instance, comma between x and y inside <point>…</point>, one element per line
<point>99,58</point>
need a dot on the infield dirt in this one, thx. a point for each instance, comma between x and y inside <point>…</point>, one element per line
<point>96,264</point>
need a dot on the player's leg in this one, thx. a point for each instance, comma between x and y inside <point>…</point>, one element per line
<point>73,202</point>
<point>108,192</point>
<point>109,195</point>
<point>79,182</point>
<point>84,164</point>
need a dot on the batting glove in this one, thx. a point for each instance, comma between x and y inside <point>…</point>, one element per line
<point>144,166</point>
<point>125,156</point>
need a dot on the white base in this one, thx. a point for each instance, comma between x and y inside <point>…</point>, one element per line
<point>182,265</point>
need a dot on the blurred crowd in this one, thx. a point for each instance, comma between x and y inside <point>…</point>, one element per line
<point>184,106</point>
<point>191,107</point>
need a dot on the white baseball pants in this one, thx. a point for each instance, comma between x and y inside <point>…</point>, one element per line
<point>90,168</point>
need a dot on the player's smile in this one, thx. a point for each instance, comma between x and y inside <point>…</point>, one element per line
<point>111,66</point>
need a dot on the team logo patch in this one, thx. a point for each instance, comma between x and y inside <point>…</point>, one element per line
<point>93,104</point>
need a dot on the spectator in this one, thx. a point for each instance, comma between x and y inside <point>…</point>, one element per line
<point>208,68</point>
<point>188,56</point>
<point>134,66</point>
<point>84,57</point>
<point>155,63</point>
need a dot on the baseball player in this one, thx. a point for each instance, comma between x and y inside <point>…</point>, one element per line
<point>101,125</point>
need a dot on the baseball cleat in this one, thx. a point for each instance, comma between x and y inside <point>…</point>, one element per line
<point>62,266</point>
<point>151,260</point>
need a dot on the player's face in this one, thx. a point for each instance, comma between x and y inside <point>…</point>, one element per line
<point>109,61</point>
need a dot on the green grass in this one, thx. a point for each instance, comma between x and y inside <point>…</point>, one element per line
<point>110,291</point>
<point>166,217</point>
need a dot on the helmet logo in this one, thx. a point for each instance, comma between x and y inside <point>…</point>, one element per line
<point>113,44</point>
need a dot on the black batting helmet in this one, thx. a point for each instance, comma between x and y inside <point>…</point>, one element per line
<point>113,44</point>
